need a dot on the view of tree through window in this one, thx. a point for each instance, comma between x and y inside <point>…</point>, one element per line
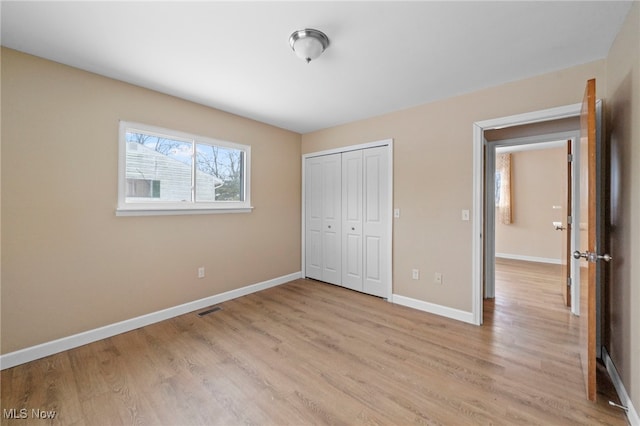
<point>226,165</point>
<point>170,166</point>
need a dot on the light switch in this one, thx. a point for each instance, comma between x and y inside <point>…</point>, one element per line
<point>396,213</point>
<point>465,215</point>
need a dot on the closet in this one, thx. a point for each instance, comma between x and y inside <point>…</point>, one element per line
<point>347,228</point>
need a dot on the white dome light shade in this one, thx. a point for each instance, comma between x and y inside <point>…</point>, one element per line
<point>308,43</point>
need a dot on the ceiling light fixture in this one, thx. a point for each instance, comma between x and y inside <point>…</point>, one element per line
<point>308,43</point>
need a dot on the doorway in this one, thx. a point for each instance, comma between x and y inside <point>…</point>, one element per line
<point>483,271</point>
<point>529,212</point>
<point>529,220</point>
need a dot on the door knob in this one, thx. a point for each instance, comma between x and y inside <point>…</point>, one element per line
<point>578,255</point>
<point>606,257</point>
<point>592,257</point>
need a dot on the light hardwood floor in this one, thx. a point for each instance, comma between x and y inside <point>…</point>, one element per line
<point>312,353</point>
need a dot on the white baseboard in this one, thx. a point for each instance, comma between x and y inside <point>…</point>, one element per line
<point>529,258</point>
<point>433,308</point>
<point>49,348</point>
<point>632,414</point>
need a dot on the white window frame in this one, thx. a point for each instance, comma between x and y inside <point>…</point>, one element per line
<point>153,208</point>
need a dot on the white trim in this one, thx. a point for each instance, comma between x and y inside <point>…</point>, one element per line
<point>384,142</point>
<point>625,400</point>
<point>529,258</point>
<point>49,348</point>
<point>432,308</point>
<point>556,113</point>
<point>478,177</point>
<point>477,244</point>
<point>167,212</point>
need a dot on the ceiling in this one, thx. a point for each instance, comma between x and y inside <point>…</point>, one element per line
<point>383,56</point>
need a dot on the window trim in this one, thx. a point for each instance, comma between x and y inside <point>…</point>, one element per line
<point>154,208</point>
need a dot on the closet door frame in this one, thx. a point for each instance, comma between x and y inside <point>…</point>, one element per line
<point>388,143</point>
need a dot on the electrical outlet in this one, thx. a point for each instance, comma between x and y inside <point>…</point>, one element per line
<point>201,272</point>
<point>437,278</point>
<point>415,274</point>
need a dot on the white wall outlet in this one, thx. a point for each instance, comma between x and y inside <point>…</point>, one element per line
<point>201,272</point>
<point>396,213</point>
<point>465,215</point>
<point>437,278</point>
<point>415,274</point>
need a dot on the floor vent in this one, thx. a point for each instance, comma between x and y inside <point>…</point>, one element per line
<point>209,311</point>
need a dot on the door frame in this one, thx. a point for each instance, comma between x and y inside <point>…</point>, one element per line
<point>478,202</point>
<point>388,143</point>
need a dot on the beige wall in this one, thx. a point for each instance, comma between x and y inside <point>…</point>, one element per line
<point>69,264</point>
<point>433,174</point>
<point>538,183</point>
<point>622,337</point>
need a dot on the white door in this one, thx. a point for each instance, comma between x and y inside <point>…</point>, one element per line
<point>331,218</point>
<point>352,201</point>
<point>313,218</point>
<point>375,217</point>
<point>347,219</point>
<point>323,217</point>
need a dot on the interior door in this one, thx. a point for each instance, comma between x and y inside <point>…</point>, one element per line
<point>323,218</point>
<point>313,218</point>
<point>375,218</point>
<point>331,218</point>
<point>589,236</point>
<point>352,220</point>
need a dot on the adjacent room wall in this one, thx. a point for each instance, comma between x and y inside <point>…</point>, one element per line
<point>623,110</point>
<point>538,183</point>
<point>68,263</point>
<point>433,147</point>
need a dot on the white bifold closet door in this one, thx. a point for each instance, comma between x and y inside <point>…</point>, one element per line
<point>347,207</point>
<point>364,218</point>
<point>323,216</point>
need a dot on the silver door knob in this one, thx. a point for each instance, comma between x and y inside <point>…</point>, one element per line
<point>592,257</point>
<point>578,255</point>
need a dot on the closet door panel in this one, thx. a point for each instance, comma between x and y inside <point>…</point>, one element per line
<point>375,217</point>
<point>331,218</point>
<point>352,220</point>
<point>313,218</point>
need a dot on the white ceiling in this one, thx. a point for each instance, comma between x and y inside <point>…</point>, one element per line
<point>383,57</point>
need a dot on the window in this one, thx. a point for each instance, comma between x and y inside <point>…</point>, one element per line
<point>169,172</point>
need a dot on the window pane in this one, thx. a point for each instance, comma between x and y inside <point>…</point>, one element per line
<point>158,169</point>
<point>219,173</point>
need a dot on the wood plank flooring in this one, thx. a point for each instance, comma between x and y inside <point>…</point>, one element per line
<point>312,353</point>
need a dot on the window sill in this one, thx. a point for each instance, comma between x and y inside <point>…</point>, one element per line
<point>171,212</point>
